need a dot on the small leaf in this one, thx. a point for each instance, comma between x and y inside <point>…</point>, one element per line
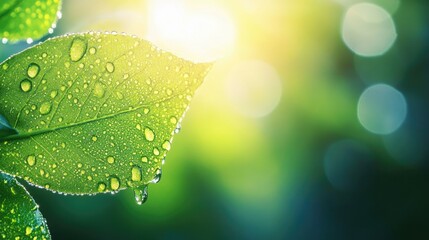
<point>27,19</point>
<point>20,217</point>
<point>5,128</point>
<point>94,112</point>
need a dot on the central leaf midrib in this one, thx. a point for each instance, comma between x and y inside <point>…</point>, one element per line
<point>48,130</point>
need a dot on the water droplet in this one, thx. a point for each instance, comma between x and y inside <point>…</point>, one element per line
<point>173,120</point>
<point>4,40</point>
<point>28,230</point>
<point>140,194</point>
<point>99,90</point>
<point>101,187</point>
<point>156,151</point>
<point>94,138</point>
<point>119,95</point>
<point>29,40</point>
<point>144,159</point>
<point>139,127</point>
<point>136,174</point>
<point>45,108</point>
<point>110,160</point>
<point>149,134</point>
<point>157,178</point>
<point>78,49</point>
<point>31,160</point>
<point>114,183</point>
<point>178,128</point>
<point>5,66</point>
<point>92,50</point>
<point>26,85</point>
<point>166,145</point>
<point>32,70</point>
<point>110,67</point>
<point>54,94</point>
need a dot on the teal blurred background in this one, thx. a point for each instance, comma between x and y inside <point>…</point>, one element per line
<point>313,124</point>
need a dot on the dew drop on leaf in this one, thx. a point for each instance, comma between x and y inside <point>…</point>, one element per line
<point>110,160</point>
<point>26,85</point>
<point>45,108</point>
<point>110,67</point>
<point>101,187</point>
<point>78,49</point>
<point>28,230</point>
<point>166,145</point>
<point>136,174</point>
<point>144,159</point>
<point>92,50</point>
<point>114,183</point>
<point>54,93</point>
<point>149,134</point>
<point>99,90</point>
<point>156,151</point>
<point>33,70</point>
<point>31,160</point>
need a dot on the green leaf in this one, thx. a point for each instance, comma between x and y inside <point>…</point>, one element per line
<point>20,217</point>
<point>23,19</point>
<point>95,112</point>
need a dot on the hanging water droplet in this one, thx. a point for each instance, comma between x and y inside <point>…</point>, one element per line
<point>140,194</point>
<point>178,128</point>
<point>31,160</point>
<point>157,178</point>
<point>32,70</point>
<point>114,183</point>
<point>29,40</point>
<point>45,108</point>
<point>78,49</point>
<point>166,145</point>
<point>4,40</point>
<point>110,160</point>
<point>149,134</point>
<point>101,187</point>
<point>136,174</point>
<point>26,85</point>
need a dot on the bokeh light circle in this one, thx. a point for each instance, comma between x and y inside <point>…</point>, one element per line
<point>254,88</point>
<point>390,5</point>
<point>348,165</point>
<point>368,30</point>
<point>381,109</point>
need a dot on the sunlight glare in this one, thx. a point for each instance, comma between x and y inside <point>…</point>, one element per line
<point>198,33</point>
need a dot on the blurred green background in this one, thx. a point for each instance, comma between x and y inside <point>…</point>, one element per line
<point>313,124</point>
